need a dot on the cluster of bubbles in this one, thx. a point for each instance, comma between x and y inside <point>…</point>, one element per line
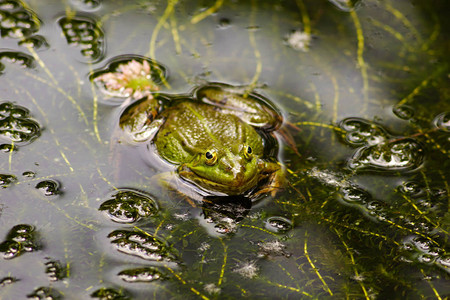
<point>19,22</point>
<point>378,150</point>
<point>423,250</point>
<point>54,270</point>
<point>140,244</point>
<point>85,33</point>
<point>45,292</point>
<point>129,206</point>
<point>16,125</point>
<point>15,57</point>
<point>20,239</point>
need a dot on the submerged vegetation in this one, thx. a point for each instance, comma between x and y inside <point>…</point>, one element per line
<point>363,88</point>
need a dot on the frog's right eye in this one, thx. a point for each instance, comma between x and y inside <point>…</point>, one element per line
<point>211,157</point>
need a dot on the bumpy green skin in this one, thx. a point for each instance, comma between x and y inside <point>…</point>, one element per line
<point>217,123</point>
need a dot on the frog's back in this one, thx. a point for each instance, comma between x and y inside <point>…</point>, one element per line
<point>191,128</point>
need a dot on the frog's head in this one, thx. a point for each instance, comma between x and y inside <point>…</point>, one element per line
<point>228,171</point>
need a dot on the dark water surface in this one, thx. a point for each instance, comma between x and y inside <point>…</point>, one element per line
<point>364,90</point>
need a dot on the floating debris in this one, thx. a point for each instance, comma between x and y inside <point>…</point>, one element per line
<point>247,269</point>
<point>130,76</point>
<point>299,40</point>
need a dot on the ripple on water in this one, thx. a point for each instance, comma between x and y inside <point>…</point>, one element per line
<point>128,206</point>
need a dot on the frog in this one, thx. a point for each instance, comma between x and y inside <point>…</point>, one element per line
<point>216,137</point>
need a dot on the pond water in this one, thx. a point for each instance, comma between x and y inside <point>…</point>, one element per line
<point>363,88</point>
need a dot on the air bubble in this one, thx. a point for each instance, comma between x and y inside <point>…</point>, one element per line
<point>278,224</point>
<point>403,112</point>
<point>49,187</point>
<point>442,121</point>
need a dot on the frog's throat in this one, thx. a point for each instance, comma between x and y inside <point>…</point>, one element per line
<point>211,186</point>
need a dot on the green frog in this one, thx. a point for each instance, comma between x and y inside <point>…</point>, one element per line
<point>214,137</point>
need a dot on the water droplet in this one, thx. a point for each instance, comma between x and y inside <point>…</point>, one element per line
<point>278,224</point>
<point>128,206</point>
<point>403,112</point>
<point>442,121</point>
<point>146,274</point>
<point>49,187</point>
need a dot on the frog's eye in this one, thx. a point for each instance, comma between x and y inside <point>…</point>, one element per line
<point>211,157</point>
<point>248,152</point>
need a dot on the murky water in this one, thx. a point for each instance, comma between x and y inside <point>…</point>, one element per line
<point>363,87</point>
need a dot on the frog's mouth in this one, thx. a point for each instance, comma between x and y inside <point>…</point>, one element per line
<point>238,186</point>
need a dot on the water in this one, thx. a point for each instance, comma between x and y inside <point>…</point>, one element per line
<point>363,90</point>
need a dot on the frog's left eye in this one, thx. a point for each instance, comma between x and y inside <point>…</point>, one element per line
<point>248,152</point>
<point>211,157</point>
